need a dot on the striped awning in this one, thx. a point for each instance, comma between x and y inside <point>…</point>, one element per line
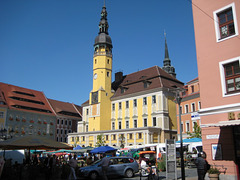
<point>222,124</point>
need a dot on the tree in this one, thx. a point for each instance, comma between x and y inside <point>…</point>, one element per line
<point>197,133</point>
<point>100,140</point>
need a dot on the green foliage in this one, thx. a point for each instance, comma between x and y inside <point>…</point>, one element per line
<point>197,133</point>
<point>213,170</point>
<point>100,140</point>
<point>162,163</point>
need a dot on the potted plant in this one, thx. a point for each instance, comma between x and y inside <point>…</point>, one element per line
<point>213,173</point>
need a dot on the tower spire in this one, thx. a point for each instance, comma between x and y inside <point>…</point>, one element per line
<point>103,38</point>
<point>167,62</point>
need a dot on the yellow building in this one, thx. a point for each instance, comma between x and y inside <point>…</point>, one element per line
<point>135,109</point>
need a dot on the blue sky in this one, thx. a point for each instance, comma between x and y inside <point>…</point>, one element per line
<point>47,45</point>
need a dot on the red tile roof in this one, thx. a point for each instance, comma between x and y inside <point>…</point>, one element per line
<point>65,108</point>
<point>24,99</point>
<point>154,76</point>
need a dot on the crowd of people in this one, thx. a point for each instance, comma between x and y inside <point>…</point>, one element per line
<point>48,167</point>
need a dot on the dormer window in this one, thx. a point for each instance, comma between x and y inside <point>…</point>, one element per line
<point>123,89</point>
<point>146,84</point>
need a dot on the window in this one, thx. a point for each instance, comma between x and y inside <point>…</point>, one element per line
<point>113,126</point>
<point>113,107</point>
<point>127,104</point>
<point>230,76</point>
<point>87,112</point>
<point>145,122</point>
<point>145,101</point>
<point>65,131</point>
<point>130,136</point>
<point>114,137</point>
<point>153,99</point>
<point>225,22</point>
<point>199,105</point>
<point>192,88</point>
<point>193,107</point>
<point>139,135</point>
<point>135,103</point>
<point>72,139</point>
<point>86,128</point>
<point>58,121</point>
<point>154,121</point>
<point>107,137</point>
<point>108,61</point>
<point>83,138</point>
<point>186,108</point>
<point>77,138</point>
<point>57,131</point>
<point>62,122</point>
<point>187,127</point>
<point>66,122</point>
<point>95,61</point>
<point>70,123</point>
<point>61,131</point>
<point>135,123</point>
<point>107,74</point>
<point>120,105</point>
<point>127,124</point>
<point>119,125</point>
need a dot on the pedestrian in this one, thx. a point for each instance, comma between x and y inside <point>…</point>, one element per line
<point>73,165</point>
<point>201,164</point>
<point>105,164</point>
<point>89,160</point>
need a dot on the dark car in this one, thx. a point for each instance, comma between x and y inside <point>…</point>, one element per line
<point>118,166</point>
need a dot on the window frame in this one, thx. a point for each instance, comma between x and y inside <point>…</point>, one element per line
<point>135,103</point>
<point>127,104</point>
<point>135,123</point>
<point>154,121</point>
<point>144,101</point>
<point>193,107</point>
<point>217,25</point>
<point>145,122</point>
<point>186,107</point>
<point>120,105</point>
<point>223,77</point>
<point>154,99</point>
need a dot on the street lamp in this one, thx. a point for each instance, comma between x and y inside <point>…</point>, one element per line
<point>179,99</point>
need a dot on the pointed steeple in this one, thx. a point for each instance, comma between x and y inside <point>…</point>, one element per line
<point>167,62</point>
<point>103,38</point>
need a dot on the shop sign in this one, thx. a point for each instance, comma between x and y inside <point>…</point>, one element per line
<point>233,116</point>
<point>195,116</point>
<point>213,136</point>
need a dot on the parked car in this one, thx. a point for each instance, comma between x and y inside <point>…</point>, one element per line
<point>118,166</point>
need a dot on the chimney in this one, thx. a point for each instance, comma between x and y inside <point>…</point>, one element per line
<point>118,76</point>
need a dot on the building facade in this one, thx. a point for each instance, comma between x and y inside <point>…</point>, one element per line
<point>68,115</point>
<point>190,106</point>
<point>217,38</point>
<point>26,111</point>
<point>135,109</point>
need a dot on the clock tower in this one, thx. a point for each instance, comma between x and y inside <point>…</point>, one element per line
<point>99,98</point>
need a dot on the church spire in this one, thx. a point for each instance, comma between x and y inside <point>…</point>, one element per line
<point>103,38</point>
<point>167,62</point>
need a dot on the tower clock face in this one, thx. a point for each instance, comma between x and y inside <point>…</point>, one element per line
<point>95,76</point>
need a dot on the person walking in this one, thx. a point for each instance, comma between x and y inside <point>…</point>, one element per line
<point>201,165</point>
<point>105,164</point>
<point>73,165</point>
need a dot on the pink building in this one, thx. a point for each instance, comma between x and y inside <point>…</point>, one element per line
<point>217,26</point>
